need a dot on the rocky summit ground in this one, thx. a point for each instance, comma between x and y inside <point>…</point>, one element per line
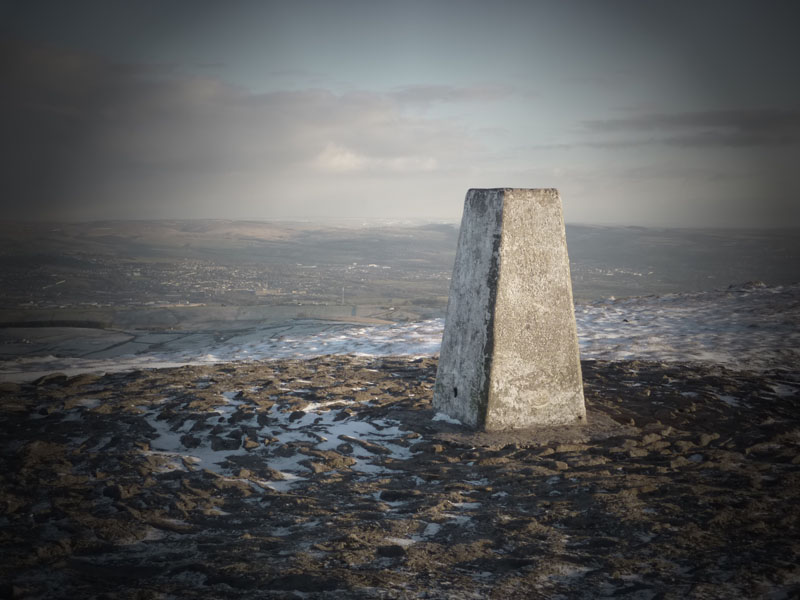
<point>333,478</point>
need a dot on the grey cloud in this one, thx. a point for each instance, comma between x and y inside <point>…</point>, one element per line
<point>605,80</point>
<point>430,94</point>
<point>158,115</point>
<point>742,127</point>
<point>72,119</point>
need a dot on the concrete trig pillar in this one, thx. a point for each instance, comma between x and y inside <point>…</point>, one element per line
<point>509,356</point>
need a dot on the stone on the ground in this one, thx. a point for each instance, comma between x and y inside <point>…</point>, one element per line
<point>509,356</point>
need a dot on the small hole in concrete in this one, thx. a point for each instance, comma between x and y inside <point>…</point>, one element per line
<point>455,392</point>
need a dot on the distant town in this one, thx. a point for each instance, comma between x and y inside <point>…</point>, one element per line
<point>108,281</point>
<point>93,271</point>
<point>389,273</point>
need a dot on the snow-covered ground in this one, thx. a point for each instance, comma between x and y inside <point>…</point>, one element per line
<point>750,327</point>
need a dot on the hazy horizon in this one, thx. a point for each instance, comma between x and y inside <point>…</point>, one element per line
<point>394,221</point>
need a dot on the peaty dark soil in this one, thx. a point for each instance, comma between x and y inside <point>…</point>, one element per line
<point>330,478</point>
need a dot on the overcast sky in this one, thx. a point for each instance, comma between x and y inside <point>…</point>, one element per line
<point>647,113</point>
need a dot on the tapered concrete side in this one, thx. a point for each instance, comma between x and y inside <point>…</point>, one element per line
<point>462,381</point>
<point>509,356</point>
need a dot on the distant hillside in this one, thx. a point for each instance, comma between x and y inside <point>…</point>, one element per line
<point>251,262</point>
<point>625,261</point>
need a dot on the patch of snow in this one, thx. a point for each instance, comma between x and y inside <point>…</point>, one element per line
<point>459,520</point>
<point>467,505</point>
<point>785,391</point>
<point>431,529</point>
<point>754,329</point>
<point>89,402</point>
<point>482,481</point>
<point>72,415</point>
<point>404,542</point>
<point>730,400</point>
<point>447,419</point>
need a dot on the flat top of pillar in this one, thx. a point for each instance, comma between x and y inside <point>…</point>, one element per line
<point>545,195</point>
<point>547,191</point>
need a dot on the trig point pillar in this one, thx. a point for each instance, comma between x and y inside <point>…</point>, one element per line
<point>509,356</point>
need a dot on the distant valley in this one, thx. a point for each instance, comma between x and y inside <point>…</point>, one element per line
<point>174,274</point>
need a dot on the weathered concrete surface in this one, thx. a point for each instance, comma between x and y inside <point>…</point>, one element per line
<point>509,356</point>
